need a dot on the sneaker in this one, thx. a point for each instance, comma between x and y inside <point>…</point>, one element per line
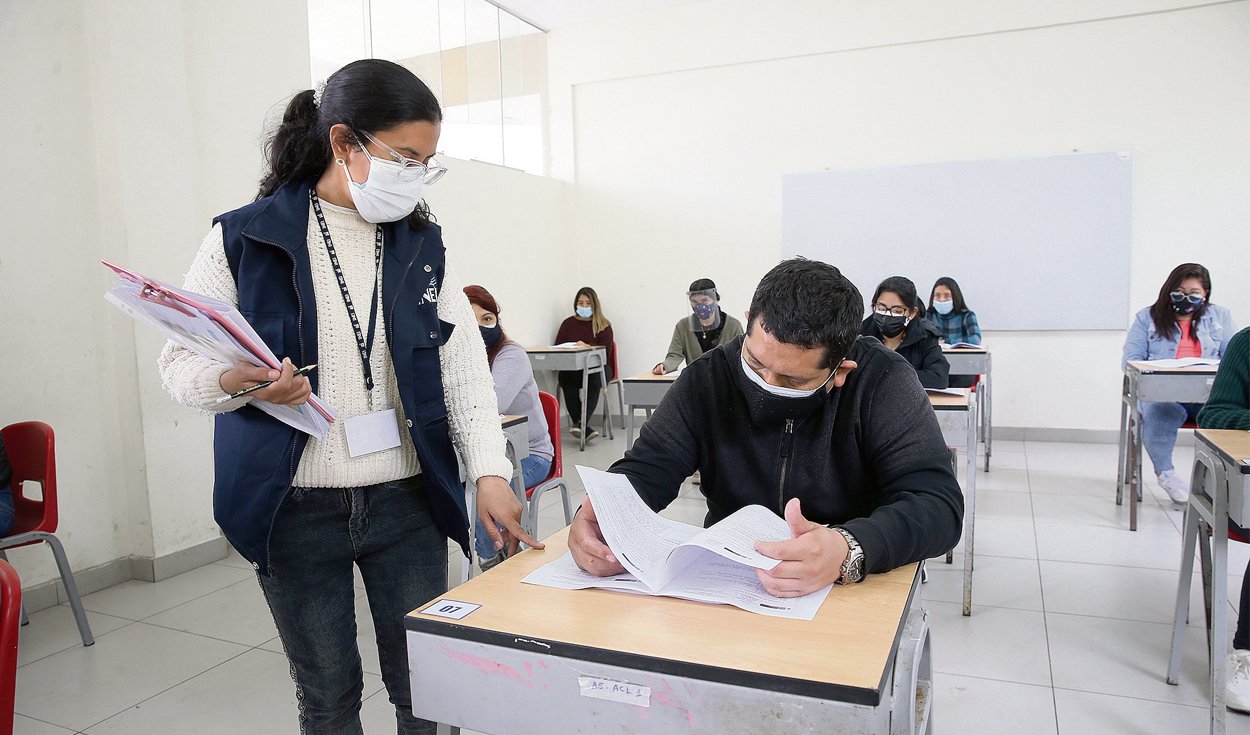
<point>575,430</point>
<point>592,435</point>
<point>1174,486</point>
<point>1237,686</point>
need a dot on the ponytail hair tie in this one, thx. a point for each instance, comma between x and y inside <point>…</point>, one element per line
<point>318,93</point>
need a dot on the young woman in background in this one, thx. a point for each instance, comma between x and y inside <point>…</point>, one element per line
<point>588,327</point>
<point>517,394</point>
<point>1182,322</point>
<point>896,320</point>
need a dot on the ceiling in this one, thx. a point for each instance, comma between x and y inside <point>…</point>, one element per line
<point>550,14</point>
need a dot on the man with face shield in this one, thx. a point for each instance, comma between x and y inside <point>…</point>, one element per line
<point>701,331</point>
<point>801,415</point>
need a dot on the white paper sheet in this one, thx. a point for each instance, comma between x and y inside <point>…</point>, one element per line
<point>1183,362</point>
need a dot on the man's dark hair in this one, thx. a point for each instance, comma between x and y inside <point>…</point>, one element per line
<point>809,304</point>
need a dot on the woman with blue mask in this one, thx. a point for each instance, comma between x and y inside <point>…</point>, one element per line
<point>703,330</point>
<point>337,263</point>
<point>897,320</point>
<point>517,395</point>
<point>588,327</point>
<point>948,312</point>
<point>1182,322</point>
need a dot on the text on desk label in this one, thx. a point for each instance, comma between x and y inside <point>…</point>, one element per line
<point>614,691</point>
<point>453,609</point>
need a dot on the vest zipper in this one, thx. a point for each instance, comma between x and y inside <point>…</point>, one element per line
<point>299,331</point>
<point>390,335</point>
<point>787,443</point>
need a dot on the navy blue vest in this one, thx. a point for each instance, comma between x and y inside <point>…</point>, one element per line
<point>266,244</point>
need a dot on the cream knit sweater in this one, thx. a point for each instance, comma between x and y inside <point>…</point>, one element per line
<point>468,389</point>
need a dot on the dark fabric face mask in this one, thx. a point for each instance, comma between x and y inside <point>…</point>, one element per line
<point>1184,304</point>
<point>890,325</point>
<point>490,335</point>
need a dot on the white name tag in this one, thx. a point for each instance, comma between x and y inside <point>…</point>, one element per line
<point>614,691</point>
<point>453,609</point>
<point>373,432</point>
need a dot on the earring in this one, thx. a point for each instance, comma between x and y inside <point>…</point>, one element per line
<point>340,161</point>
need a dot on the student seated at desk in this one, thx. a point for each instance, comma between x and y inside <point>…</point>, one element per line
<point>955,322</point>
<point>1228,407</point>
<point>517,394</point>
<point>706,328</point>
<point>1182,322</point>
<point>831,431</point>
<point>948,312</point>
<point>588,327</point>
<point>896,320</point>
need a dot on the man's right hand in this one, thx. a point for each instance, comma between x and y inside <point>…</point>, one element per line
<point>586,543</point>
<point>287,388</point>
<point>658,369</point>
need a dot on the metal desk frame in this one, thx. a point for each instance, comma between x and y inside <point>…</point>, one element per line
<point>1145,383</point>
<point>977,361</point>
<point>585,359</point>
<point>1220,489</point>
<point>960,432</point>
<point>643,391</point>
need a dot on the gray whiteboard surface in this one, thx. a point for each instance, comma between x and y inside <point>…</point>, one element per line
<point>1035,244</point>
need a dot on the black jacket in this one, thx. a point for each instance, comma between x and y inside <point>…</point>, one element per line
<point>868,456</point>
<point>922,350</point>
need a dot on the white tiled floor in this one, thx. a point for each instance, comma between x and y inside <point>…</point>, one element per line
<point>1069,632</point>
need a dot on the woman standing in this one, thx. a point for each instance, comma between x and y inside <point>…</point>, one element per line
<point>897,321</point>
<point>337,264</point>
<point>1182,322</point>
<point>517,394</point>
<point>588,327</point>
<point>703,330</point>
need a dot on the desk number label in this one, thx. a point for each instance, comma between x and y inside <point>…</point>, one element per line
<point>614,691</point>
<point>453,609</point>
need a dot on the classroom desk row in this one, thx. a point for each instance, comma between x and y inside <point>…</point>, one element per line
<point>587,360</point>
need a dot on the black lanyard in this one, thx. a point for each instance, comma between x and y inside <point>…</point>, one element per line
<point>363,343</point>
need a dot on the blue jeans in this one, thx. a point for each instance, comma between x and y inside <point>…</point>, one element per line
<point>1159,424</point>
<point>534,470</point>
<point>388,532</point>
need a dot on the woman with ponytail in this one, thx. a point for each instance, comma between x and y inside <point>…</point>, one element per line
<point>338,263</point>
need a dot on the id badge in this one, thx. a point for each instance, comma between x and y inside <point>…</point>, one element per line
<point>372,432</point>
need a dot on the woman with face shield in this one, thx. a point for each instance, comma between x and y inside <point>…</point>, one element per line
<point>702,330</point>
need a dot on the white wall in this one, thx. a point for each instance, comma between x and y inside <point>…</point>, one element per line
<point>133,123</point>
<point>678,144</point>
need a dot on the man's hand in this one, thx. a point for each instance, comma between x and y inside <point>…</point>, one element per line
<point>498,506</point>
<point>809,561</point>
<point>586,542</point>
<point>658,369</point>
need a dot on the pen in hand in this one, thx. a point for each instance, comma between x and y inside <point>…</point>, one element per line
<point>248,391</point>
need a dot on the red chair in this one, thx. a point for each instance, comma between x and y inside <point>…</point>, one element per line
<point>32,453</point>
<point>10,620</point>
<point>555,478</point>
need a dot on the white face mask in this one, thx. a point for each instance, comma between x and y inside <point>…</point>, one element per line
<point>778,390</point>
<point>384,196</point>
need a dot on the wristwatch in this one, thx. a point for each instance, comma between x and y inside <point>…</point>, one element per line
<point>853,567</point>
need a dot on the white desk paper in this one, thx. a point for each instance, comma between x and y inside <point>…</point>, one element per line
<point>667,558</point>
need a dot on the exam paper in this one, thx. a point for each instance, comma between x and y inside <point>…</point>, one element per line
<point>665,557</point>
<point>1183,362</point>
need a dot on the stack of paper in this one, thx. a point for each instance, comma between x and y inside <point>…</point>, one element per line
<point>1182,362</point>
<point>672,559</point>
<point>213,329</point>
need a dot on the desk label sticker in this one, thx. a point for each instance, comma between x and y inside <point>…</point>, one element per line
<point>453,609</point>
<point>614,691</point>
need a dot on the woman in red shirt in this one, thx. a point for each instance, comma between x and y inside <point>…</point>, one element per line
<point>588,327</point>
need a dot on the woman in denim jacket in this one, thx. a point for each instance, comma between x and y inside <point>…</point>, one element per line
<point>1182,322</point>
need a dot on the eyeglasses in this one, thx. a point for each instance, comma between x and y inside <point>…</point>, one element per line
<point>410,169</point>
<point>884,310</point>
<point>1194,298</point>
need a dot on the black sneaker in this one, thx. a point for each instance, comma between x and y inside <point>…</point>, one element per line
<point>592,435</point>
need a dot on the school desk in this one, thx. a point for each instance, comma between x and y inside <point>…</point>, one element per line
<point>583,359</point>
<point>957,415</point>
<point>976,361</point>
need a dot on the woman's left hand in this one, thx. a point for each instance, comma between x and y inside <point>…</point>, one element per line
<point>498,506</point>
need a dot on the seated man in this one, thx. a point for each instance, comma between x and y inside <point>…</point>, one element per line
<point>801,415</point>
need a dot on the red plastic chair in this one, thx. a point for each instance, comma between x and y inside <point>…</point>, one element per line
<point>32,453</point>
<point>555,478</point>
<point>10,621</point>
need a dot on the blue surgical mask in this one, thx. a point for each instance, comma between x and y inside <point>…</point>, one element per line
<point>943,307</point>
<point>585,312</point>
<point>779,391</point>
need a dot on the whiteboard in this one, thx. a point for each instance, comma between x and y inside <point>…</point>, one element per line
<point>1035,244</point>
